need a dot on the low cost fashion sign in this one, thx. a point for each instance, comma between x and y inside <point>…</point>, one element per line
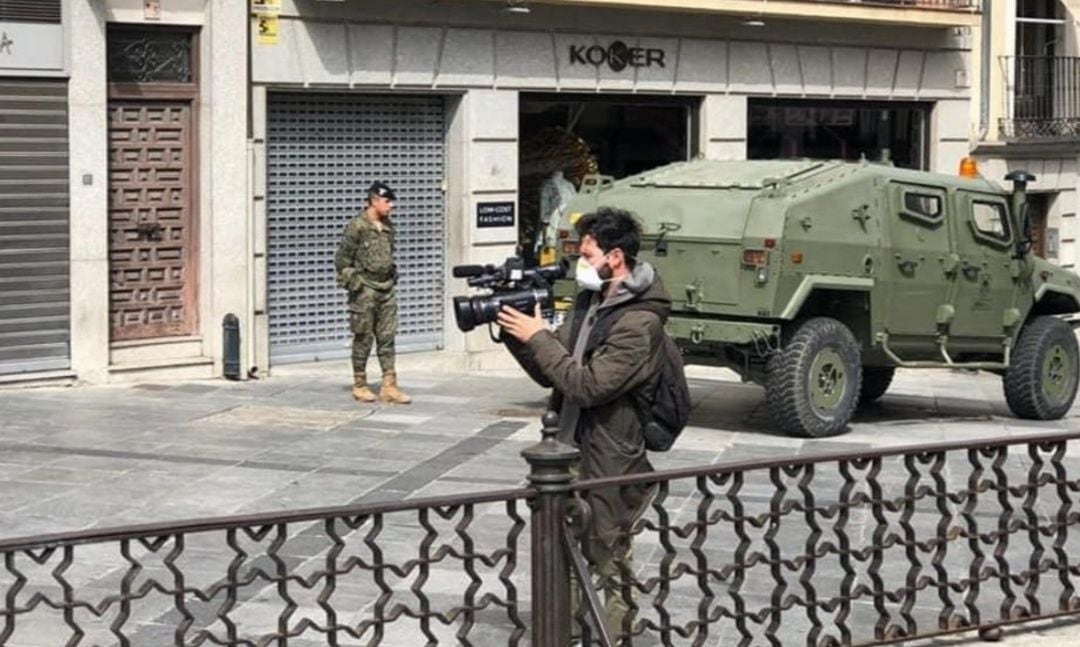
<point>495,214</point>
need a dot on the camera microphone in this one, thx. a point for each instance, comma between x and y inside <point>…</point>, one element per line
<point>466,271</point>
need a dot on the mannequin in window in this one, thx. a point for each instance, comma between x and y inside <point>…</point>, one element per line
<point>555,196</point>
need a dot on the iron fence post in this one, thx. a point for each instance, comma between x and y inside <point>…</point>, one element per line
<point>550,463</point>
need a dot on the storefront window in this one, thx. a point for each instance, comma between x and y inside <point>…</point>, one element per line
<point>563,138</point>
<point>792,129</point>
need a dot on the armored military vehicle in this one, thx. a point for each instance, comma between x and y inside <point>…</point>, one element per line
<point>817,279</point>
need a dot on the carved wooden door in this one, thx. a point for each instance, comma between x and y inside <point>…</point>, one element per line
<point>151,230</point>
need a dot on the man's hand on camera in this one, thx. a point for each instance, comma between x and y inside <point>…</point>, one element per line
<point>520,325</point>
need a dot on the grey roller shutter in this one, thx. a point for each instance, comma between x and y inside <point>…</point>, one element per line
<point>30,10</point>
<point>34,226</point>
<point>323,150</point>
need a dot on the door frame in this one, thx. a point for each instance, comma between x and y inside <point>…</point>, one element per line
<point>181,93</point>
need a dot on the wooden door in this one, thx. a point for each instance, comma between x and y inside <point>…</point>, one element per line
<point>151,213</point>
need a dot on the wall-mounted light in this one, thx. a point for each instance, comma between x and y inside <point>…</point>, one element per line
<point>759,19</point>
<point>516,6</point>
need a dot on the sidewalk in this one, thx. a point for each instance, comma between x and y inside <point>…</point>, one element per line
<point>78,457</point>
<point>115,455</point>
<point>1042,633</point>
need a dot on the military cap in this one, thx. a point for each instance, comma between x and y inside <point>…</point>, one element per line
<point>382,190</point>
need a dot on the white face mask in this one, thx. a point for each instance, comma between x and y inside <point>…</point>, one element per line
<point>587,276</point>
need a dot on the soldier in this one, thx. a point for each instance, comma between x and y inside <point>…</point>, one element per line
<point>365,267</point>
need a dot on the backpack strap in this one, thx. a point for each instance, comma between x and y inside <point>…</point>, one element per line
<point>607,318</point>
<point>581,308</point>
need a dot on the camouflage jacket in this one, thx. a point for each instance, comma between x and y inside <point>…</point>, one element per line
<point>366,255</point>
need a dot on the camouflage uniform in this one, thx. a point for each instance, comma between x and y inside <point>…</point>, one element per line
<point>365,267</point>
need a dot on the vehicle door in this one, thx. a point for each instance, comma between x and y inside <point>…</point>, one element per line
<point>919,248</point>
<point>985,285</point>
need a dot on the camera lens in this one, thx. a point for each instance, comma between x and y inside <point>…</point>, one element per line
<point>486,309</point>
<point>463,313</point>
<point>471,312</point>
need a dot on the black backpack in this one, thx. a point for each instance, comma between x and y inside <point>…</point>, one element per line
<point>663,405</point>
<point>667,412</point>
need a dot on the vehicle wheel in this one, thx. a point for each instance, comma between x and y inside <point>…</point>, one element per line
<point>813,382</point>
<point>1040,383</point>
<point>875,382</point>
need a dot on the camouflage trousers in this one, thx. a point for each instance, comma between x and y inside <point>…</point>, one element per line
<point>373,318</point>
<point>611,564</point>
<point>613,568</point>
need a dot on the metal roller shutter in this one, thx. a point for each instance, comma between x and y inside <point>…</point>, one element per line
<point>323,150</point>
<point>34,230</point>
<point>30,10</point>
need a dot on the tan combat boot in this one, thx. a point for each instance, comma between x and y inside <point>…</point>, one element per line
<point>360,389</point>
<point>390,391</point>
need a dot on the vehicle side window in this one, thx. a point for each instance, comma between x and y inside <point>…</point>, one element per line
<point>989,218</point>
<point>923,204</point>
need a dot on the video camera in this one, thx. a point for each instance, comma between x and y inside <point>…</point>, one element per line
<point>510,284</point>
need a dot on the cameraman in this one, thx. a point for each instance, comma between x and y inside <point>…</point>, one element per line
<point>598,380</point>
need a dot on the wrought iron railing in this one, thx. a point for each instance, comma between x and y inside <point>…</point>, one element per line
<point>432,571</point>
<point>1042,97</point>
<point>846,549</point>
<point>839,549</point>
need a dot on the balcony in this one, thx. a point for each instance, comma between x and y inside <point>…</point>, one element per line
<point>947,5</point>
<point>1042,98</point>
<point>920,13</point>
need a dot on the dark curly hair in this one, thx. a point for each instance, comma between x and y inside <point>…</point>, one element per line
<point>612,229</point>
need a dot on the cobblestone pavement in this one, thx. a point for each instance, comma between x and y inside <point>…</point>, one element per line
<point>88,457</point>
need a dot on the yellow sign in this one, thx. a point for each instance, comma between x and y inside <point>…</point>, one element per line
<point>268,30</point>
<point>266,6</point>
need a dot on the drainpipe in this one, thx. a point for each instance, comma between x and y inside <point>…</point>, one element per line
<point>984,72</point>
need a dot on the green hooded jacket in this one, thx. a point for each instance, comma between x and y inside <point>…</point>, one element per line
<point>605,386</point>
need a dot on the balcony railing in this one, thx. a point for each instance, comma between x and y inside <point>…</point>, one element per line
<point>1042,97</point>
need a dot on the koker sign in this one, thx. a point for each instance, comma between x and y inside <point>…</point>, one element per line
<point>618,56</point>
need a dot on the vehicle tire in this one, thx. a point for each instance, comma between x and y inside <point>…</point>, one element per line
<point>813,382</point>
<point>1040,383</point>
<point>875,382</point>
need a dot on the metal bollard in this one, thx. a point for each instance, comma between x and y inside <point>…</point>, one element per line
<point>230,339</point>
<point>550,462</point>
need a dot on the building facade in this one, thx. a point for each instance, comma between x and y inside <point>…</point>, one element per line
<point>1032,114</point>
<point>153,229</point>
<point>467,108</point>
<point>215,150</point>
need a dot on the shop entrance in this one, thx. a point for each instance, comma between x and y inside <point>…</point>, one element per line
<point>35,238</point>
<point>323,150</point>
<point>564,137</point>
<point>848,130</point>
<point>1045,241</point>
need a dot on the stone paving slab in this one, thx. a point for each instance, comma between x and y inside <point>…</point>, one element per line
<point>90,457</point>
